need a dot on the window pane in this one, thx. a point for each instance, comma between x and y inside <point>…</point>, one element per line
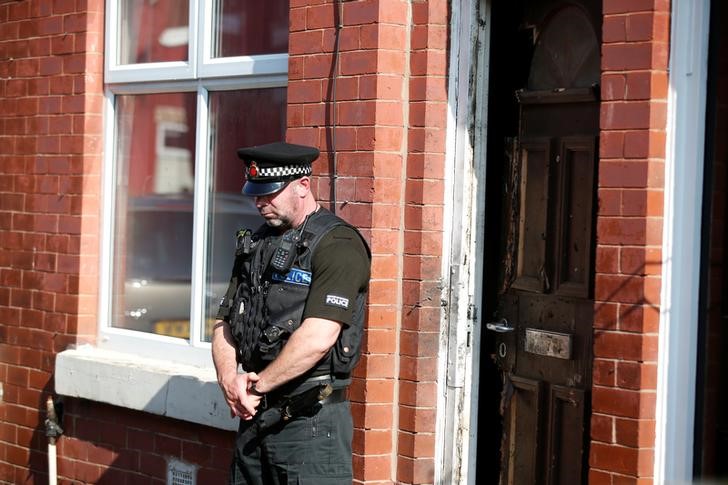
<point>153,212</point>
<point>237,119</point>
<point>250,28</point>
<point>153,31</point>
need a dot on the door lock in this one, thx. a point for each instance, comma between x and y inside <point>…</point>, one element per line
<point>502,326</point>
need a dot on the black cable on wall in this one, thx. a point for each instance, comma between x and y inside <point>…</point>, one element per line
<point>331,112</point>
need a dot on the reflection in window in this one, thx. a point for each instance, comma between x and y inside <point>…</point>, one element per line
<point>237,119</point>
<point>154,200</point>
<point>250,28</point>
<point>153,31</point>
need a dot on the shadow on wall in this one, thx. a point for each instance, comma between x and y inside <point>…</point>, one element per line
<point>105,444</point>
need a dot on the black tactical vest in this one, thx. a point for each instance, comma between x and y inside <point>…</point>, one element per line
<point>268,306</point>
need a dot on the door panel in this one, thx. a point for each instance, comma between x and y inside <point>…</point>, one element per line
<point>576,179</point>
<point>533,215</point>
<point>523,453</point>
<point>565,449</point>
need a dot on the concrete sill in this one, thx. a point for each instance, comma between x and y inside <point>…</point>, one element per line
<point>154,386</point>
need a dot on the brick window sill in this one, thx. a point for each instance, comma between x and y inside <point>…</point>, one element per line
<point>155,386</point>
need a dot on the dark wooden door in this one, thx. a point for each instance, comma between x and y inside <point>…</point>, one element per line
<point>544,317</point>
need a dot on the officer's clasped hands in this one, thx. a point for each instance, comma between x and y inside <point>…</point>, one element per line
<point>242,402</point>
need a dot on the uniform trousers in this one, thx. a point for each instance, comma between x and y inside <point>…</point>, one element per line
<point>312,449</point>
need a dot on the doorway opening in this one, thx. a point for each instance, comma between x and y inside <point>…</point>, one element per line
<point>508,42</point>
<point>543,126</point>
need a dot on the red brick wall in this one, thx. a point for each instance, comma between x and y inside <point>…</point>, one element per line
<point>629,234</point>
<point>51,92</point>
<point>50,126</point>
<point>108,444</point>
<point>423,205</point>
<point>390,139</point>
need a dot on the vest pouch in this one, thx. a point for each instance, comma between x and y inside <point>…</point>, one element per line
<point>272,340</point>
<point>239,312</point>
<point>346,351</point>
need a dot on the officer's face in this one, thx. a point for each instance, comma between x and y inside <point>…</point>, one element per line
<point>280,209</point>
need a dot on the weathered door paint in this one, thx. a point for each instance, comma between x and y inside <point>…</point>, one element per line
<point>544,315</point>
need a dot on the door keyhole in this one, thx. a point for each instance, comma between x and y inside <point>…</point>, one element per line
<point>502,350</point>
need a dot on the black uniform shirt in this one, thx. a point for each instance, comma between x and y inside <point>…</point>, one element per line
<point>340,271</point>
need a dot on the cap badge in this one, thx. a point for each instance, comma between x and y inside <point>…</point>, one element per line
<point>253,170</point>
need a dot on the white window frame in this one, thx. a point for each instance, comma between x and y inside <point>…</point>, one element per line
<point>201,74</point>
<point>114,72</point>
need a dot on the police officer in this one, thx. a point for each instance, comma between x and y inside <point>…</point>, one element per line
<point>291,321</point>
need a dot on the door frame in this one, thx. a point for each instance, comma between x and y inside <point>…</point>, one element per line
<point>681,243</point>
<point>463,235</point>
<point>677,360</point>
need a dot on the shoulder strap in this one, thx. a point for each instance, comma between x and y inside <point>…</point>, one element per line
<point>318,224</point>
<point>321,223</point>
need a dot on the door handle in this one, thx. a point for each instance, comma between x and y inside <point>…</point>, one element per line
<point>502,326</point>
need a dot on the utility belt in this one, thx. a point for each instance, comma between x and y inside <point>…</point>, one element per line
<point>336,396</point>
<point>276,411</point>
<point>279,397</point>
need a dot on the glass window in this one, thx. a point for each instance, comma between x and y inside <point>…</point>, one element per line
<point>153,31</point>
<point>250,28</point>
<point>154,200</point>
<point>237,118</point>
<point>173,174</point>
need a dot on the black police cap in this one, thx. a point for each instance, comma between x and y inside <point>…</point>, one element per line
<point>269,167</point>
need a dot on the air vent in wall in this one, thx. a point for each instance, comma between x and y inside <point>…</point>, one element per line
<point>181,473</point>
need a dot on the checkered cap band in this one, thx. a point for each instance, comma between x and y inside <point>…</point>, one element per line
<point>279,172</point>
